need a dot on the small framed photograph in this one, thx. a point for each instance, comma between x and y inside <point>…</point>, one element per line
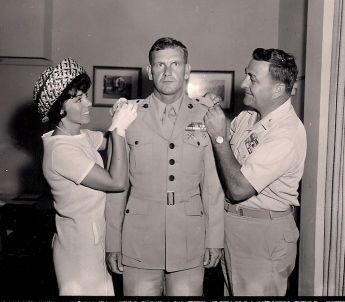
<point>112,83</point>
<point>220,83</point>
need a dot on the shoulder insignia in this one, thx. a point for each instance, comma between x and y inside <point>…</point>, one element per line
<point>207,102</point>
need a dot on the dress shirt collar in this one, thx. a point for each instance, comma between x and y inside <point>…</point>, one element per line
<point>161,106</point>
<point>273,117</point>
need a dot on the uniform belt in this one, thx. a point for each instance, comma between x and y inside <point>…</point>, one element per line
<point>170,197</point>
<point>253,213</point>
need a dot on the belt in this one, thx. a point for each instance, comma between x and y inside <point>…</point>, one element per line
<point>253,213</point>
<point>170,197</point>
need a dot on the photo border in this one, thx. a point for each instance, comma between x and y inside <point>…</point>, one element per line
<point>201,80</point>
<point>98,75</point>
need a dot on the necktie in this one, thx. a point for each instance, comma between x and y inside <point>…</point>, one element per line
<point>169,118</point>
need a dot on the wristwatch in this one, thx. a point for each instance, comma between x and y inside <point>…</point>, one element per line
<point>219,139</point>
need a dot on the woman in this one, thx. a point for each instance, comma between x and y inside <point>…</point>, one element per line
<point>78,181</point>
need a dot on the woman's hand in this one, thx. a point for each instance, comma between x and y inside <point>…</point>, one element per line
<point>123,118</point>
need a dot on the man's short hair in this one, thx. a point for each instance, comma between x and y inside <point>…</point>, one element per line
<point>282,67</point>
<point>166,42</point>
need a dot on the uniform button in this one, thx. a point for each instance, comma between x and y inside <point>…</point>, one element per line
<point>171,177</point>
<point>198,143</point>
<point>171,161</point>
<point>171,146</point>
<point>136,142</point>
<point>127,211</point>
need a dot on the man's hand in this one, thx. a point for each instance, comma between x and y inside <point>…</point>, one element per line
<point>114,262</point>
<point>215,122</point>
<point>212,257</point>
<point>213,97</point>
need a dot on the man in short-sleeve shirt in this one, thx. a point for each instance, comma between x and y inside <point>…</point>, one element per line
<point>261,161</point>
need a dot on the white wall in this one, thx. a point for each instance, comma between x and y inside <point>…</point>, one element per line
<point>219,34</point>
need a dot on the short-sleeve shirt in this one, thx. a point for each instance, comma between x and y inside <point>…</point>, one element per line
<point>272,153</point>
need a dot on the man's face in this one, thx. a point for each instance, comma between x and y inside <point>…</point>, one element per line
<point>168,71</point>
<point>258,86</point>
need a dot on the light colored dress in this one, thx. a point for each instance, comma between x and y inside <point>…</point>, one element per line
<point>78,245</point>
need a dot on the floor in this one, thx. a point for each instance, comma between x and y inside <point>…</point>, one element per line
<point>33,278</point>
<point>28,272</point>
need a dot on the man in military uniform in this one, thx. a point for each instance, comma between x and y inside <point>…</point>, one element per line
<point>261,160</point>
<point>173,225</point>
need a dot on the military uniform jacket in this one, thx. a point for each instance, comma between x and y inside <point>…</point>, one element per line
<point>163,230</point>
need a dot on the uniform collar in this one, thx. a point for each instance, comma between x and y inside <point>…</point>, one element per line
<point>160,106</point>
<point>273,117</point>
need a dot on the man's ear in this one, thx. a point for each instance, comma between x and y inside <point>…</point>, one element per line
<point>279,90</point>
<point>187,71</point>
<point>149,72</point>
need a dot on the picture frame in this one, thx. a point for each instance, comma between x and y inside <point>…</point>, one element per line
<point>113,83</point>
<point>220,83</point>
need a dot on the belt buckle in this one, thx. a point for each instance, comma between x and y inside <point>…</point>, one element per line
<point>170,198</point>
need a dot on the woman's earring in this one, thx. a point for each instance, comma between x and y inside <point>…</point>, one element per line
<point>62,112</point>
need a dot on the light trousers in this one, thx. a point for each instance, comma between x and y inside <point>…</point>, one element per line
<point>259,254</point>
<point>153,282</point>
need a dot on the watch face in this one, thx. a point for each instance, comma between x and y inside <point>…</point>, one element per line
<point>219,139</point>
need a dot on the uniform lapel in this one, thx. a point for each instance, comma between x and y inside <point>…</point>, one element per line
<point>152,119</point>
<point>183,117</point>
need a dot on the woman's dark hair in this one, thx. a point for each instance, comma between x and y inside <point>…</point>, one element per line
<point>81,82</point>
<point>282,67</point>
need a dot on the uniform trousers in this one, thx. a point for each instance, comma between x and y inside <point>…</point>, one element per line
<point>259,254</point>
<point>155,282</point>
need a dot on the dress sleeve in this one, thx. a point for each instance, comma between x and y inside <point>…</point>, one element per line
<point>268,162</point>
<point>213,200</point>
<point>95,138</point>
<point>71,162</point>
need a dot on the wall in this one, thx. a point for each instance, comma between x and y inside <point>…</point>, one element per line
<point>317,91</point>
<point>292,39</point>
<point>219,34</point>
<point>26,27</point>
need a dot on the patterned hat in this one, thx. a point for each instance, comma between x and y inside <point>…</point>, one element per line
<point>52,83</point>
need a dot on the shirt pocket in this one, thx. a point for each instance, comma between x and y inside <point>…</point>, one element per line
<point>195,222</point>
<point>140,151</point>
<point>194,143</point>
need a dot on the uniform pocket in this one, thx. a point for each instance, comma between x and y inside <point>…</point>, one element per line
<point>292,236</point>
<point>140,151</point>
<point>134,228</point>
<point>194,143</point>
<point>195,222</point>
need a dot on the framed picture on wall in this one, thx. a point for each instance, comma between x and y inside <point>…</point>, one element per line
<point>220,83</point>
<point>112,83</point>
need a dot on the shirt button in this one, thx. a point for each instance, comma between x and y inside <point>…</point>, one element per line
<point>127,211</point>
<point>171,177</point>
<point>198,143</point>
<point>171,161</point>
<point>171,146</point>
<point>136,142</point>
